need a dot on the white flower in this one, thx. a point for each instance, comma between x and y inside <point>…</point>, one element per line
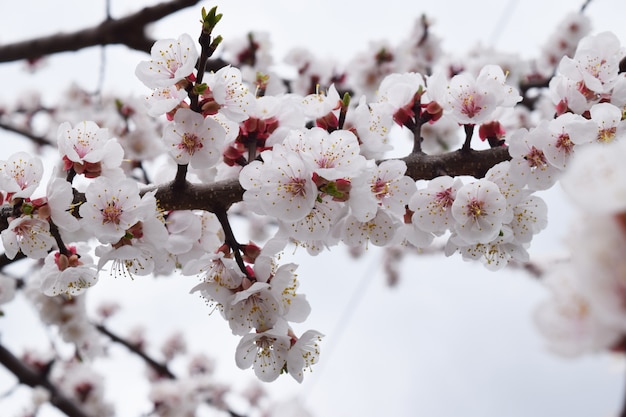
<point>139,258</point>
<point>303,354</point>
<point>565,95</point>
<point>253,308</point>
<point>20,175</point>
<point>262,305</point>
<point>372,123</point>
<point>567,131</point>
<point>317,224</point>
<point>282,187</point>
<point>331,155</point>
<point>29,235</point>
<point>89,150</point>
<point>495,254</point>
<point>320,104</point>
<point>479,210</point>
<point>472,100</point>
<point>432,206</point>
<point>530,216</point>
<point>68,274</point>
<point>379,230</point>
<point>265,351</point>
<point>142,249</point>
<point>111,208</point>
<point>608,119</point>
<point>172,60</point>
<point>595,178</point>
<point>284,283</point>
<point>384,186</point>
<point>222,276</point>
<point>398,90</point>
<point>60,198</point>
<point>235,100</point>
<point>595,66</point>
<point>184,228</point>
<point>194,139</point>
<point>164,99</point>
<point>529,164</point>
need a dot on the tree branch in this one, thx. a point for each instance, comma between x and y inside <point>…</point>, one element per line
<point>222,194</point>
<point>37,140</point>
<point>28,376</point>
<point>129,31</point>
<point>159,368</point>
<point>469,162</point>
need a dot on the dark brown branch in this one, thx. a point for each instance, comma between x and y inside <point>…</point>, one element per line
<point>470,162</point>
<point>223,194</point>
<point>129,31</point>
<point>28,376</point>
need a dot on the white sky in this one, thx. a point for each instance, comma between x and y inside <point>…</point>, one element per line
<point>452,339</point>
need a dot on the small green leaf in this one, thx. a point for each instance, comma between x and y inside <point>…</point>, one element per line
<point>200,88</point>
<point>345,101</point>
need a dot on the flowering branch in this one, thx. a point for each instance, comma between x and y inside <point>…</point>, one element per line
<point>28,376</point>
<point>129,31</point>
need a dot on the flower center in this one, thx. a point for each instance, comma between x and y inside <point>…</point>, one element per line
<point>190,143</point>
<point>607,135</point>
<point>564,143</point>
<point>536,158</point>
<point>444,198</point>
<point>475,208</point>
<point>111,213</point>
<point>469,105</point>
<point>296,187</point>
<point>380,189</point>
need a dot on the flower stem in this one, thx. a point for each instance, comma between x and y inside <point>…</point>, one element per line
<point>230,239</point>
<point>469,132</point>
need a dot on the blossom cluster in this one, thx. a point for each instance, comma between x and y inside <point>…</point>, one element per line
<point>315,161</point>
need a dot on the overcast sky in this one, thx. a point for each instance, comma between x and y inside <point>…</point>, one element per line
<point>451,339</point>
